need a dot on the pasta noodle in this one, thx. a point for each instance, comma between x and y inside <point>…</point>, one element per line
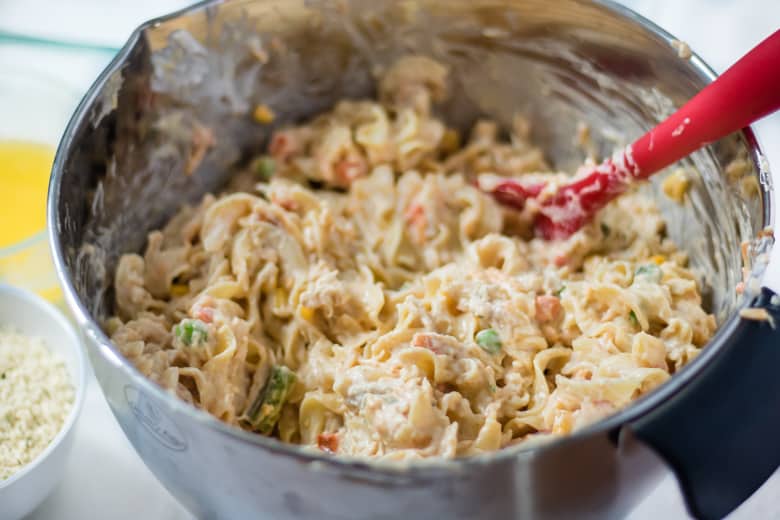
<point>366,299</point>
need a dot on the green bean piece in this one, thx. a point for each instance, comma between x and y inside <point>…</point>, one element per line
<point>633,319</point>
<point>265,411</point>
<point>191,332</point>
<point>489,340</point>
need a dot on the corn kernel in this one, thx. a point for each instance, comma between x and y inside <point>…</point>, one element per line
<point>112,325</point>
<point>658,259</point>
<point>450,141</point>
<point>179,289</point>
<point>676,185</point>
<point>307,313</point>
<point>263,114</point>
<point>264,167</point>
<point>280,297</point>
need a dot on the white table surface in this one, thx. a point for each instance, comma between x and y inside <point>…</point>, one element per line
<point>105,478</point>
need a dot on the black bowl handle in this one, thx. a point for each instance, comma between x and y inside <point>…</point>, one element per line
<point>721,433</point>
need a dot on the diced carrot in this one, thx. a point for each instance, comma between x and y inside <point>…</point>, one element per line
<point>547,307</point>
<point>413,211</point>
<point>328,442</point>
<point>423,340</point>
<point>205,314</point>
<point>282,146</point>
<point>349,169</point>
<point>417,221</point>
<point>288,204</point>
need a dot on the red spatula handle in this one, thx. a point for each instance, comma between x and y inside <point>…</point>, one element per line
<point>747,91</point>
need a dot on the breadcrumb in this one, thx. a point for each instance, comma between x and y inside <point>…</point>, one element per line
<point>36,397</point>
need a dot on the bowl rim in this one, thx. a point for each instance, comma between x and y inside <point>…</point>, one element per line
<point>425,468</point>
<point>79,379</point>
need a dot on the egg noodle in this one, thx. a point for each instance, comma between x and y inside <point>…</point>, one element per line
<point>355,292</point>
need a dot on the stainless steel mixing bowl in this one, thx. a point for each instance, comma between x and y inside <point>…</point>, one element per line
<point>120,172</point>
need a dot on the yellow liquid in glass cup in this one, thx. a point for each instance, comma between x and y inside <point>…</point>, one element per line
<point>24,178</point>
<point>25,260</point>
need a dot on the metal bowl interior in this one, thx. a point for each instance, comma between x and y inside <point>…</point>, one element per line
<point>119,172</point>
<point>559,66</point>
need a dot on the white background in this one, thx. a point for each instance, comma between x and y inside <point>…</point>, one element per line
<point>105,478</point>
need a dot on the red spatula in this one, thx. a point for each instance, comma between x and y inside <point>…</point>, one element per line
<point>746,92</point>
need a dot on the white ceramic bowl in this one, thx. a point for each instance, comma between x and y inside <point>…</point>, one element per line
<point>31,315</point>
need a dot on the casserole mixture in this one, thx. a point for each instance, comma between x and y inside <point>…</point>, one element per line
<point>355,292</point>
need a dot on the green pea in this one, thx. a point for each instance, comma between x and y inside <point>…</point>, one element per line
<point>265,167</point>
<point>489,340</point>
<point>191,332</point>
